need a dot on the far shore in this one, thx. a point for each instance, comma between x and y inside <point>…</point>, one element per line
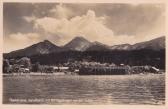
<point>36,73</point>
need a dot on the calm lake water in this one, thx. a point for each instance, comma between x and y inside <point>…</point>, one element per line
<point>115,89</point>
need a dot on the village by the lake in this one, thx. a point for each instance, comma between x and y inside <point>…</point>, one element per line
<point>23,66</point>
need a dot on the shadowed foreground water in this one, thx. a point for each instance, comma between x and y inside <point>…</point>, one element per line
<point>118,89</point>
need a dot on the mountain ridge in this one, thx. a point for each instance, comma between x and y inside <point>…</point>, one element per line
<point>81,44</point>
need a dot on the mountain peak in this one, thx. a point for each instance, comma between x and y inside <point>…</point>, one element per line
<point>78,43</point>
<point>46,41</point>
<point>79,38</point>
<point>44,47</point>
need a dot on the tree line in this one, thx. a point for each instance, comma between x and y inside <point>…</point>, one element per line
<point>132,58</point>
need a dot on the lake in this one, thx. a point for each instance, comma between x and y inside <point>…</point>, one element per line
<point>105,89</point>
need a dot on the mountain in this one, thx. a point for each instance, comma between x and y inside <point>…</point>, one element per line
<point>77,44</point>
<point>154,44</point>
<point>97,46</point>
<point>81,44</point>
<point>44,47</point>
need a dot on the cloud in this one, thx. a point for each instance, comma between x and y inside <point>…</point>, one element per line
<point>20,40</point>
<point>89,26</point>
<point>60,11</point>
<point>29,18</point>
<point>24,37</point>
<point>135,19</point>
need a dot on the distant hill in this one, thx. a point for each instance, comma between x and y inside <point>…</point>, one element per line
<point>154,44</point>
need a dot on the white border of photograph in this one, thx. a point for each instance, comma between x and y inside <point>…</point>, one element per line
<point>16,106</point>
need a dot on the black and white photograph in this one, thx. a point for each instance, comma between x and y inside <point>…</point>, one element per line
<point>84,53</point>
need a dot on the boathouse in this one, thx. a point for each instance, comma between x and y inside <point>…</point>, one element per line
<point>102,70</point>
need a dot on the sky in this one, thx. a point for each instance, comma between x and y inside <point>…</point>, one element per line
<point>25,24</point>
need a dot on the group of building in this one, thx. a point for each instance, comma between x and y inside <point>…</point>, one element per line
<point>117,70</point>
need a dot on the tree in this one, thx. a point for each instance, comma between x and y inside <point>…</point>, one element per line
<point>6,66</point>
<point>26,62</point>
<point>36,67</point>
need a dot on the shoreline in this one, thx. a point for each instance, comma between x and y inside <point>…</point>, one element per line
<point>64,74</point>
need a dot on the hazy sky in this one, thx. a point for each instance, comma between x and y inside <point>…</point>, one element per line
<point>111,24</point>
